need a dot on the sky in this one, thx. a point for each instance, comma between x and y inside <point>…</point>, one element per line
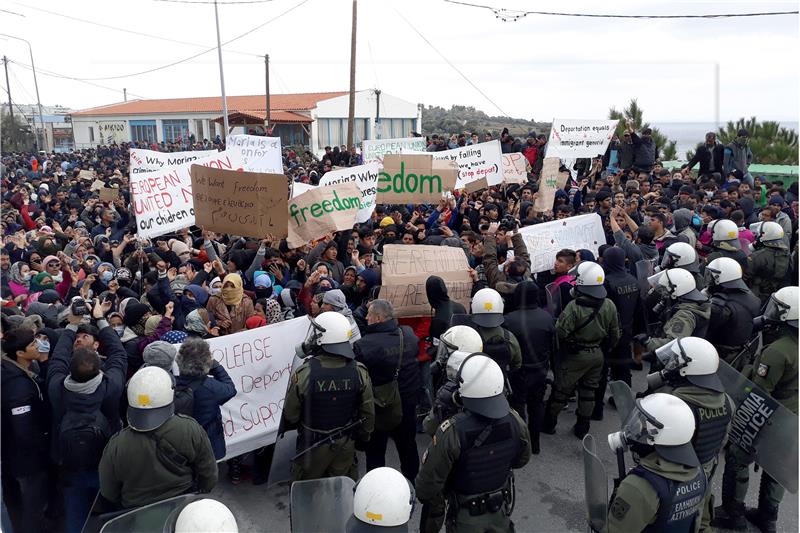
<point>538,67</point>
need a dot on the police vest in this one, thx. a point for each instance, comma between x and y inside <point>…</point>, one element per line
<point>736,331</point>
<point>497,348</point>
<point>333,396</point>
<point>777,262</point>
<point>484,468</point>
<point>700,323</point>
<point>712,427</point>
<point>679,503</point>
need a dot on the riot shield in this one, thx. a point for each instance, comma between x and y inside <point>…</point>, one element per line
<point>623,399</point>
<point>596,487</point>
<point>285,450</point>
<point>553,299</point>
<point>159,516</point>
<point>321,504</point>
<point>762,427</point>
<point>645,277</point>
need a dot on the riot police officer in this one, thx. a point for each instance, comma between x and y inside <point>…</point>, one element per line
<point>725,242</point>
<point>206,515</point>
<point>587,321</point>
<point>733,308</point>
<point>469,461</point>
<point>683,255</point>
<point>330,401</point>
<point>498,343</point>
<point>774,371</point>
<point>665,491</point>
<point>690,373</point>
<point>769,262</point>
<point>383,501</point>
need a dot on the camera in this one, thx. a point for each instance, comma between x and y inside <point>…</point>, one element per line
<point>508,223</point>
<point>79,306</point>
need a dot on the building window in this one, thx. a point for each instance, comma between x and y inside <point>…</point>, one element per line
<point>143,131</point>
<point>198,128</point>
<point>395,128</point>
<point>175,129</point>
<point>333,131</point>
<point>91,134</point>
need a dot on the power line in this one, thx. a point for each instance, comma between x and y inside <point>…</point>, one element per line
<point>515,14</point>
<point>232,3</point>
<point>21,86</point>
<point>62,76</point>
<point>469,81</point>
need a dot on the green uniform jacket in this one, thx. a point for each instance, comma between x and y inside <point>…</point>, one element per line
<point>775,369</point>
<point>767,271</point>
<point>635,504</point>
<point>132,475</point>
<point>603,329</point>
<point>703,398</point>
<point>681,324</point>
<point>513,345</point>
<point>444,451</point>
<point>298,389</point>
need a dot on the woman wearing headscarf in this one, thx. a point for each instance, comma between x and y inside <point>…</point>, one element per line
<point>230,308</point>
<point>19,281</point>
<point>198,324</point>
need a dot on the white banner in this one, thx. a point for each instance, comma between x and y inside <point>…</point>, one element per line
<point>366,177</point>
<point>162,199</point>
<point>572,139</point>
<point>545,240</point>
<point>477,161</point>
<point>259,154</point>
<point>374,150</point>
<point>259,361</point>
<point>149,160</point>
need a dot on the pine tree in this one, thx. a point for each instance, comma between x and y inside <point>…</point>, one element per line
<point>666,148</point>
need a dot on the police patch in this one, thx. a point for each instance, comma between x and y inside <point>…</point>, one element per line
<point>677,328</point>
<point>763,370</point>
<point>619,508</point>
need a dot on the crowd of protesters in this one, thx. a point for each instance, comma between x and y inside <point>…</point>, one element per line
<point>85,304</point>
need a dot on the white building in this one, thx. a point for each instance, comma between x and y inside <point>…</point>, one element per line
<point>313,120</point>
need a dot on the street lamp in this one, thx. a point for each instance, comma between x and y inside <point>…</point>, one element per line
<point>36,85</point>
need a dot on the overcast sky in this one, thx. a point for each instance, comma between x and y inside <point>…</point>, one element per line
<point>538,67</point>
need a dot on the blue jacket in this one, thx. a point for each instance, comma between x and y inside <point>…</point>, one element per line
<point>217,388</point>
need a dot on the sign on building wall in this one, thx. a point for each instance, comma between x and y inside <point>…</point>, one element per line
<point>113,131</point>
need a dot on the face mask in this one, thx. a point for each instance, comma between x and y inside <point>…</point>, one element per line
<point>27,277</point>
<point>58,278</point>
<point>215,291</point>
<point>42,346</point>
<point>696,221</point>
<point>107,276</point>
<point>119,330</point>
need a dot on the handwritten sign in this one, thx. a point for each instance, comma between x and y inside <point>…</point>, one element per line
<point>87,175</point>
<point>374,150</point>
<point>476,162</point>
<point>571,139</point>
<point>108,194</point>
<point>249,204</point>
<point>550,182</point>
<point>365,177</point>
<point>162,199</point>
<point>259,154</point>
<point>322,210</point>
<point>545,240</point>
<point>405,270</point>
<point>415,178</point>
<point>515,168</point>
<point>259,361</point>
<point>113,131</point>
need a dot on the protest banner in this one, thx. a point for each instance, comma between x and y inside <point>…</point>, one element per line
<point>545,240</point>
<point>476,162</point>
<point>405,269</point>
<point>108,194</point>
<point>259,361</point>
<point>416,178</point>
<point>365,177</point>
<point>550,182</point>
<point>249,204</point>
<point>298,188</point>
<point>515,168</point>
<point>152,161</point>
<point>259,154</point>
<point>322,210</point>
<point>162,199</point>
<point>372,151</point>
<point>572,139</point>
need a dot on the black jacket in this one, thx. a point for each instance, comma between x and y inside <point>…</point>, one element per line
<point>374,350</point>
<point>444,307</point>
<point>25,421</point>
<point>704,157</point>
<point>533,327</point>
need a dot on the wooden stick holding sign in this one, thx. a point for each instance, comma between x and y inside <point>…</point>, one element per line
<point>549,183</point>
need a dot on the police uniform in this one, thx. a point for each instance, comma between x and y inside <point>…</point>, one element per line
<point>658,496</point>
<point>686,319</point>
<point>502,347</point>
<point>774,371</point>
<point>731,323</point>
<point>723,249</point>
<point>468,466</point>
<point>767,269</point>
<point>326,393</point>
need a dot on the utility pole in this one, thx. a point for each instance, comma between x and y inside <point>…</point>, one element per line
<point>8,85</point>
<point>267,113</point>
<point>36,84</point>
<point>378,128</point>
<point>352,105</point>
<point>221,75</point>
<point>125,93</point>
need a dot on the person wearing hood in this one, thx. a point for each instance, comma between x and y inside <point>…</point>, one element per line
<point>365,281</point>
<point>335,301</point>
<point>327,252</point>
<point>198,324</point>
<point>443,307</point>
<point>682,219</point>
<point>738,156</point>
<point>81,384</point>
<point>534,329</point>
<point>193,297</point>
<point>19,281</point>
<point>231,308</point>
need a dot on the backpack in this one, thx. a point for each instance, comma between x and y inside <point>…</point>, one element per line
<point>82,438</point>
<point>184,397</point>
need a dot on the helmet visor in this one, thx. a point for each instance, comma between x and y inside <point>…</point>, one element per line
<point>672,355</point>
<point>640,427</point>
<point>454,362</point>
<point>776,310</point>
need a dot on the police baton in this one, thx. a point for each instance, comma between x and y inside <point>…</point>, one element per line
<point>745,349</point>
<point>330,438</point>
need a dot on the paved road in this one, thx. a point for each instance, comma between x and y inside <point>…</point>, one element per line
<point>549,489</point>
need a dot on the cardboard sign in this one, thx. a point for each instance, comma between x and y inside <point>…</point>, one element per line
<point>259,361</point>
<point>515,168</point>
<point>416,178</point>
<point>152,161</point>
<point>572,139</point>
<point>366,177</point>
<point>322,210</point>
<point>549,183</point>
<point>87,175</point>
<point>476,162</point>
<point>248,204</point>
<point>108,194</point>
<point>259,154</point>
<point>405,270</point>
<point>97,185</point>
<point>374,150</point>
<point>545,240</point>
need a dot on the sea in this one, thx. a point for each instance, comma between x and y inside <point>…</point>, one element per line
<point>689,134</point>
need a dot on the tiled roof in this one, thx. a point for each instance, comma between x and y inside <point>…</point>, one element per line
<point>259,116</point>
<point>212,104</point>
